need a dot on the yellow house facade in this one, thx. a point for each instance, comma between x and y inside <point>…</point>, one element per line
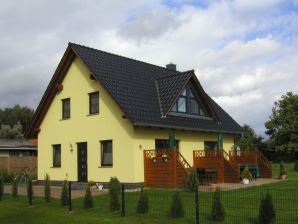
<point>90,128</point>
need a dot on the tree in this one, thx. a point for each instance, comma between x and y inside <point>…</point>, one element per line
<point>282,126</point>
<point>16,132</point>
<point>47,188</point>
<point>88,200</point>
<point>114,191</point>
<point>266,210</point>
<point>11,115</point>
<point>143,203</point>
<point>64,194</point>
<point>176,210</point>
<point>249,140</point>
<point>192,181</point>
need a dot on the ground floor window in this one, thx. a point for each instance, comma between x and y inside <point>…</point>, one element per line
<point>210,145</point>
<point>57,155</point>
<point>164,144</point>
<point>106,153</point>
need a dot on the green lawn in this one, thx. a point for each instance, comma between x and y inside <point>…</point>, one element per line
<point>241,206</point>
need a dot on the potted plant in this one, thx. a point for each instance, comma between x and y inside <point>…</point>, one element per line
<point>213,187</point>
<point>154,159</point>
<point>282,171</point>
<point>165,158</point>
<point>246,176</point>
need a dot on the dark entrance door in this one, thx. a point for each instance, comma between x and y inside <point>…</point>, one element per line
<point>82,161</point>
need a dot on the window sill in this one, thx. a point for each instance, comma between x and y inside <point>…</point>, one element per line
<point>105,167</point>
<point>64,119</point>
<point>55,167</point>
<point>92,114</point>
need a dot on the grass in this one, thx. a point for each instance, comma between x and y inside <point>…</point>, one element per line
<point>241,206</point>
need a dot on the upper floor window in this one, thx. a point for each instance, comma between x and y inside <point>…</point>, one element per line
<point>57,155</point>
<point>66,108</point>
<point>94,103</point>
<point>188,103</point>
<point>210,145</point>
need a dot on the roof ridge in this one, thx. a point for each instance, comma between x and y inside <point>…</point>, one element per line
<point>178,73</point>
<point>118,55</point>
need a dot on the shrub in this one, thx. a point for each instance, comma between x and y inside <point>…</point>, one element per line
<point>8,177</point>
<point>1,184</point>
<point>246,174</point>
<point>176,210</point>
<point>88,201</point>
<point>218,211</point>
<point>266,211</point>
<point>143,203</point>
<point>192,181</point>
<point>114,191</point>
<point>282,170</point>
<point>64,194</point>
<point>296,165</point>
<point>47,188</point>
<point>14,188</point>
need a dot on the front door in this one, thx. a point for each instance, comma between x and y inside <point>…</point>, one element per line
<point>82,162</point>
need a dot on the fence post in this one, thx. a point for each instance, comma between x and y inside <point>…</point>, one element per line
<point>197,204</point>
<point>29,185</point>
<point>69,195</point>
<point>123,200</point>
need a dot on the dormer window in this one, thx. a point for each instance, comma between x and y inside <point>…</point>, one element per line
<point>188,103</point>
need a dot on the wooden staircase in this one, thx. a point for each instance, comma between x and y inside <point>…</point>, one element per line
<point>231,169</point>
<point>264,165</point>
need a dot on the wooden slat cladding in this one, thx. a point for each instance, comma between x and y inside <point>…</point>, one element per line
<point>170,174</point>
<point>16,164</point>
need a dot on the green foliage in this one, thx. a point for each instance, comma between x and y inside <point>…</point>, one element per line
<point>7,177</point>
<point>14,188</point>
<point>29,189</point>
<point>282,169</point>
<point>14,132</point>
<point>176,209</point>
<point>13,115</point>
<point>64,194</point>
<point>246,174</point>
<point>192,181</point>
<point>143,203</point>
<point>114,191</point>
<point>218,211</point>
<point>296,165</point>
<point>283,123</point>
<point>88,200</point>
<point>47,188</point>
<point>1,183</point>
<point>266,211</point>
<point>249,140</point>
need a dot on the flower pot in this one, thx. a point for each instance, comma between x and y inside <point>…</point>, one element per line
<point>283,177</point>
<point>213,187</point>
<point>154,160</point>
<point>245,181</point>
<point>165,159</point>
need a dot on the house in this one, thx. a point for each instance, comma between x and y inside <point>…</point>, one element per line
<point>101,111</point>
<point>17,155</point>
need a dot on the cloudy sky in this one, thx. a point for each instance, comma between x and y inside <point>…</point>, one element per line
<point>244,52</point>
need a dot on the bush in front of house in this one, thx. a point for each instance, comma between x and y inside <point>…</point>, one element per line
<point>176,209</point>
<point>266,211</point>
<point>246,174</point>
<point>7,177</point>
<point>64,194</point>
<point>282,169</point>
<point>1,183</point>
<point>192,181</point>
<point>114,191</point>
<point>14,188</point>
<point>296,165</point>
<point>143,203</point>
<point>47,188</point>
<point>217,211</point>
<point>29,189</point>
<point>88,200</point>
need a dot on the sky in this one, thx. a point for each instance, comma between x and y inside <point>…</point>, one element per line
<point>244,52</point>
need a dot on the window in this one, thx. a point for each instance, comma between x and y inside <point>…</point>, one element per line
<point>164,144</point>
<point>56,155</point>
<point>106,153</point>
<point>188,103</point>
<point>94,103</point>
<point>210,145</point>
<point>66,108</point>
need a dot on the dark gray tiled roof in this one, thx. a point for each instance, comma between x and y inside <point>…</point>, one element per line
<point>145,91</point>
<point>14,144</point>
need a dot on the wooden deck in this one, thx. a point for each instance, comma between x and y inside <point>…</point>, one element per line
<point>170,174</point>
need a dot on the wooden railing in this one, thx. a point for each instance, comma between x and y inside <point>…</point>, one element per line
<point>183,161</point>
<point>264,160</point>
<point>234,164</point>
<point>206,153</point>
